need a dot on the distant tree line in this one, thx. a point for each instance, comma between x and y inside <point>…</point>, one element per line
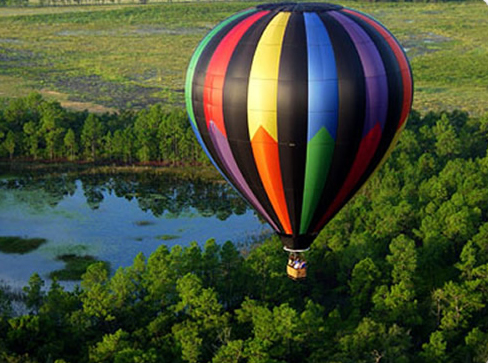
<point>399,275</point>
<point>38,129</point>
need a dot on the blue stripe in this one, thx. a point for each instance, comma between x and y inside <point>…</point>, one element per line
<point>323,88</point>
<point>202,144</point>
<point>204,147</point>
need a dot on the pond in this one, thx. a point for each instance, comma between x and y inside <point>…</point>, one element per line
<point>113,217</point>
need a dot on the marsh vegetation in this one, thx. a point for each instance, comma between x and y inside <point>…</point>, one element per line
<point>123,57</point>
<point>16,244</point>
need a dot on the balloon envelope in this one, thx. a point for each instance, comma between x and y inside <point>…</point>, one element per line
<point>297,105</point>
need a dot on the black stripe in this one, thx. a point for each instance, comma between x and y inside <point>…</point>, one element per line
<point>352,104</point>
<point>198,84</point>
<point>235,111</point>
<point>292,115</point>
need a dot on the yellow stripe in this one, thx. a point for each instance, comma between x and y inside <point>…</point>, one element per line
<point>263,79</point>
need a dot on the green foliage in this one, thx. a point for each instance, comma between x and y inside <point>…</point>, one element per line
<point>372,341</point>
<point>11,244</point>
<point>91,135</point>
<point>39,129</point>
<point>455,304</point>
<point>75,267</point>
<point>34,293</point>
<point>403,259</point>
<point>399,275</point>
<point>364,278</point>
<point>435,349</point>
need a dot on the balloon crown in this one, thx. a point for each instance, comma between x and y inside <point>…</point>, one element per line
<point>299,7</point>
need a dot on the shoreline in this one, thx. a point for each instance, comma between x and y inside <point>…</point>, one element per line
<point>185,170</point>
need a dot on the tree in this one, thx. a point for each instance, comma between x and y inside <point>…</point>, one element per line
<point>160,279</point>
<point>32,133</point>
<point>364,278</point>
<point>70,144</point>
<point>16,114</point>
<point>456,303</point>
<point>91,135</point>
<point>396,304</point>
<point>477,342</point>
<point>204,319</point>
<point>34,293</point>
<point>199,304</point>
<point>118,145</point>
<point>435,350</point>
<point>52,115</point>
<point>96,298</point>
<point>24,337</point>
<point>145,129</point>
<point>187,336</point>
<point>374,342</point>
<point>316,331</point>
<point>111,345</point>
<point>403,259</point>
<point>57,304</point>
<point>274,332</point>
<point>9,144</point>
<point>448,144</point>
<point>107,141</point>
<point>264,268</point>
<point>231,352</point>
<point>231,284</point>
<point>211,263</point>
<point>129,142</point>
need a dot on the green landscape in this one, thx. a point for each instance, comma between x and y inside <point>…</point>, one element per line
<point>399,275</point>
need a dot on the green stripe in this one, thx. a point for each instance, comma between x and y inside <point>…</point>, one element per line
<point>196,55</point>
<point>319,155</point>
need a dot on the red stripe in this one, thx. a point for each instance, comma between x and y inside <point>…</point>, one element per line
<point>402,61</point>
<point>267,158</point>
<point>217,68</point>
<point>367,149</point>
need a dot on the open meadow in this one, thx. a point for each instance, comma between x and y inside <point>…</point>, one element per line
<point>111,57</point>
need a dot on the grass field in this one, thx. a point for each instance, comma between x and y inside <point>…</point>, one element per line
<point>118,56</point>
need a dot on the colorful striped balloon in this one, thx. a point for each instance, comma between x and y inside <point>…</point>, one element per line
<point>297,105</point>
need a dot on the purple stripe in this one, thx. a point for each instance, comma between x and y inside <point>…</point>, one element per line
<point>222,148</point>
<point>374,73</point>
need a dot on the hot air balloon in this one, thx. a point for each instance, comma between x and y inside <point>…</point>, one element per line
<point>297,104</point>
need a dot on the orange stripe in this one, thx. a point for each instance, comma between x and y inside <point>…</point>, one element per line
<point>266,156</point>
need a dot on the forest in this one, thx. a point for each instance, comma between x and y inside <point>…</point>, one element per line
<point>33,128</point>
<point>399,275</point>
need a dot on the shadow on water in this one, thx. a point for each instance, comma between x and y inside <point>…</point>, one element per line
<point>112,215</point>
<point>158,193</point>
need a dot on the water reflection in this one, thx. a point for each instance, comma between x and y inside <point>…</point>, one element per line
<point>114,216</point>
<point>158,193</point>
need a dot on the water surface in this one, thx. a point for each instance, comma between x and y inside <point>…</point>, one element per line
<point>114,217</point>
